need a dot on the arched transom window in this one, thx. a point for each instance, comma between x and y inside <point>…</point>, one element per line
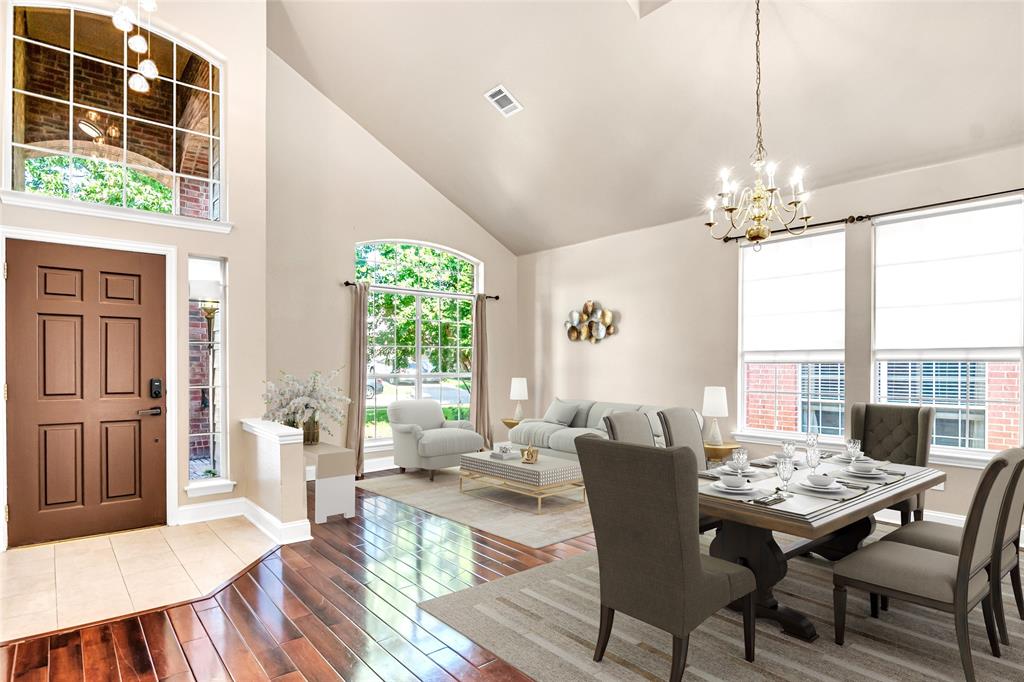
<point>79,131</point>
<point>419,328</point>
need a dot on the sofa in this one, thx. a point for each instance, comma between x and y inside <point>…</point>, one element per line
<point>564,421</point>
<point>425,440</point>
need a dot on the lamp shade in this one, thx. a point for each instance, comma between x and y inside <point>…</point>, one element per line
<point>716,404</point>
<point>518,389</point>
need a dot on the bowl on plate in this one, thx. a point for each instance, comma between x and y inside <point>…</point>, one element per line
<point>731,480</point>
<point>820,480</point>
<point>863,466</point>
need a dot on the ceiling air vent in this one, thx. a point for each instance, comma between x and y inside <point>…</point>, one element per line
<point>503,101</point>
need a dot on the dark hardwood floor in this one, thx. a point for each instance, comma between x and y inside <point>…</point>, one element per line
<point>341,606</point>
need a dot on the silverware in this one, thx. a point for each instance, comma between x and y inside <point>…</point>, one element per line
<point>710,477</point>
<point>851,484</point>
<point>893,473</point>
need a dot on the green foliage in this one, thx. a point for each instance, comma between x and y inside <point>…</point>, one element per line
<point>379,415</point>
<point>97,182</point>
<point>414,266</point>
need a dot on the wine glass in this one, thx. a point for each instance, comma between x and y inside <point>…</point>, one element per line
<point>811,441</point>
<point>788,449</point>
<point>813,459</point>
<point>785,468</point>
<point>739,460</point>
<point>853,449</point>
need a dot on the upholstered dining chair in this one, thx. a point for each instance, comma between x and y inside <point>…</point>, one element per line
<point>649,559</point>
<point>946,582</point>
<point>901,434</point>
<point>630,427</point>
<point>945,538</point>
<point>681,427</point>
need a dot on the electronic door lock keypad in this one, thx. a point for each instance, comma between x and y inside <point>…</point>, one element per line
<point>156,388</point>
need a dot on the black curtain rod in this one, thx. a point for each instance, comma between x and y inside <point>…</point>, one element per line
<point>493,298</point>
<point>861,218</point>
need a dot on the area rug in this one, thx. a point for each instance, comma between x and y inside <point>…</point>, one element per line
<point>544,621</point>
<point>492,510</point>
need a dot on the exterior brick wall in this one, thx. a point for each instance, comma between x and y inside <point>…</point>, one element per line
<point>772,401</point>
<point>198,375</point>
<point>1002,421</point>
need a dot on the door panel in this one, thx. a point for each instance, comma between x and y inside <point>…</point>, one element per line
<point>85,334</point>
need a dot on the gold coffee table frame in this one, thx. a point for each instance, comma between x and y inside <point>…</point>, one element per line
<point>537,492</point>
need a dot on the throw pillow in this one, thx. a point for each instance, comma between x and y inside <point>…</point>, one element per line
<point>560,412</point>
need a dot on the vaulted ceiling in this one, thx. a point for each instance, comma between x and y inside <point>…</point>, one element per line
<point>628,119</point>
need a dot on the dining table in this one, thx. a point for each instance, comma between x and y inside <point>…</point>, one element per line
<point>829,524</point>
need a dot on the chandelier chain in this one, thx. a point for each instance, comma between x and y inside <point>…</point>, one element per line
<point>759,150</point>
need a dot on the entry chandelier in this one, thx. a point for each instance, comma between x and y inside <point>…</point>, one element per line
<point>127,21</point>
<point>754,210</point>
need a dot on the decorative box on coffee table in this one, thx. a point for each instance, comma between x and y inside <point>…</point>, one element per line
<point>549,476</point>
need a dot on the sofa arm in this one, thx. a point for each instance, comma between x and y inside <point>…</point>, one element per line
<point>459,424</point>
<point>406,444</point>
<point>414,430</point>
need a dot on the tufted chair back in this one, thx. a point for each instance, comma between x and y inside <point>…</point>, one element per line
<point>901,434</point>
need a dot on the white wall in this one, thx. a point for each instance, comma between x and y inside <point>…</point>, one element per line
<point>677,292</point>
<point>242,50</point>
<point>332,185</point>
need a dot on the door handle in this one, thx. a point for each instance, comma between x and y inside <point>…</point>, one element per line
<point>151,412</point>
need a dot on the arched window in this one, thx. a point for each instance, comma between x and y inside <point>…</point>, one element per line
<point>419,328</point>
<point>80,131</point>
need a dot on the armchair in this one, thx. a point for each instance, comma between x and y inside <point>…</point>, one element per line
<point>425,440</point>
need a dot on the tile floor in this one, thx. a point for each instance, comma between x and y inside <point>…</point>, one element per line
<point>64,584</point>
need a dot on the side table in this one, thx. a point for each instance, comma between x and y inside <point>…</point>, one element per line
<point>334,470</point>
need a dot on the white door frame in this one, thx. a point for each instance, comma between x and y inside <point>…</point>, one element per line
<point>170,254</point>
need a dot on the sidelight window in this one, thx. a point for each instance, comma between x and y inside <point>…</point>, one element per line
<point>207,436</point>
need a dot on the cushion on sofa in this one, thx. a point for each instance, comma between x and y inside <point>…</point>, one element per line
<point>533,432</point>
<point>582,412</point>
<point>599,410</point>
<point>565,440</point>
<point>560,412</point>
<point>439,442</point>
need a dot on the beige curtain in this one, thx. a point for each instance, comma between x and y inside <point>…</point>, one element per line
<point>479,403</point>
<point>355,426</point>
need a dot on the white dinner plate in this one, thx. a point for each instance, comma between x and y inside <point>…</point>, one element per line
<point>718,485</point>
<point>875,474</point>
<point>832,487</point>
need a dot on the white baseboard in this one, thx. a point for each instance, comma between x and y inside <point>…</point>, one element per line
<point>281,533</point>
<point>211,511</point>
<point>378,464</point>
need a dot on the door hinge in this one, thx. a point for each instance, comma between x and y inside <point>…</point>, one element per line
<point>5,391</point>
<point>7,513</point>
<point>5,269</point>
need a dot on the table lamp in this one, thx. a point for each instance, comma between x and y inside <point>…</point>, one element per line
<point>518,392</point>
<point>715,405</point>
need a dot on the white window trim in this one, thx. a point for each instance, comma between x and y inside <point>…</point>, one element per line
<point>11,197</point>
<point>209,486</point>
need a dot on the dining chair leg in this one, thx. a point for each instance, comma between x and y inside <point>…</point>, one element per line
<point>885,602</point>
<point>874,605</point>
<point>963,640</point>
<point>1018,593</point>
<point>990,626</point>
<point>839,613</point>
<point>996,590</point>
<point>607,618</point>
<point>749,626</point>
<point>919,514</point>
<point>680,645</point>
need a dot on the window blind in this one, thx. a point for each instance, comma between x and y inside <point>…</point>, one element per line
<point>951,279</point>
<point>794,299</point>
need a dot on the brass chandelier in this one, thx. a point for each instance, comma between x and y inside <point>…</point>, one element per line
<point>754,210</point>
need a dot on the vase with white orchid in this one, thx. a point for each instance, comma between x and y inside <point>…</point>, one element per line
<point>305,404</point>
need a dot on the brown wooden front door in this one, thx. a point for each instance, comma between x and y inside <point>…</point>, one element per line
<point>85,335</point>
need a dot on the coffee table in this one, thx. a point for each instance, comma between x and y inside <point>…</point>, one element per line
<point>549,476</point>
